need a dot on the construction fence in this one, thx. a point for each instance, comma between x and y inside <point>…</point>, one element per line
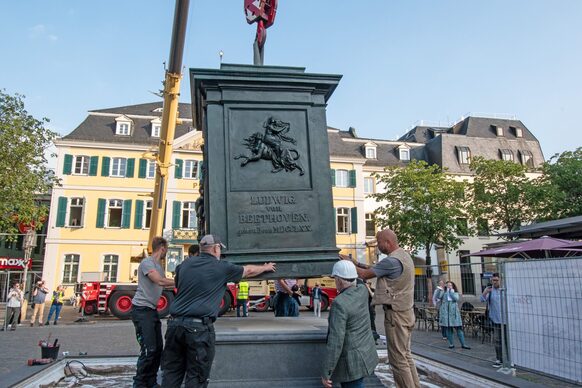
<point>541,311</point>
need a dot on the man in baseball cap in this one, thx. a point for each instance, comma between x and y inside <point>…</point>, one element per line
<point>211,239</point>
<point>351,350</point>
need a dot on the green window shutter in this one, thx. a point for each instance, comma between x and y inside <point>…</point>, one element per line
<point>101,212</point>
<point>68,165</point>
<point>105,166</point>
<point>93,165</point>
<point>332,177</point>
<point>352,178</point>
<point>354,219</point>
<point>61,212</point>
<point>126,214</point>
<point>176,208</point>
<point>138,220</point>
<point>143,166</point>
<point>130,168</point>
<point>178,169</point>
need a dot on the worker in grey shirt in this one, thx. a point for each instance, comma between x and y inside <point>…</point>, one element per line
<point>148,328</point>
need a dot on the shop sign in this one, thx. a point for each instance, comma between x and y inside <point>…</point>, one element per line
<point>14,263</point>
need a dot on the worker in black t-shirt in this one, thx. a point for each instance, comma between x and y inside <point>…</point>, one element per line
<point>190,338</point>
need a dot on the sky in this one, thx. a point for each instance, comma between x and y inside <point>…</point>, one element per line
<point>401,61</point>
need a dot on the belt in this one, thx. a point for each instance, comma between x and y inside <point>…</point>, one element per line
<point>387,307</point>
<point>204,321</point>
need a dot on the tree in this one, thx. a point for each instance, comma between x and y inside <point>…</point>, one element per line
<point>503,194</point>
<point>562,184</point>
<point>422,205</point>
<point>24,173</point>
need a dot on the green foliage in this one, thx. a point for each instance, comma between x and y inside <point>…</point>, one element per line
<point>24,174</point>
<point>503,194</point>
<point>421,204</point>
<point>562,185</point>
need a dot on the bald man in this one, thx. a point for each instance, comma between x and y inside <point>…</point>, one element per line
<point>395,292</point>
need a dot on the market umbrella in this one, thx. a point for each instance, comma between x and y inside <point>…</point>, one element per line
<point>572,244</point>
<point>543,247</point>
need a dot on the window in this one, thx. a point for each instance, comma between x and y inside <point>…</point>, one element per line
<point>147,214</point>
<point>462,227</point>
<point>404,154</point>
<point>114,212</point>
<point>371,152</point>
<point>518,132</point>
<point>499,131</point>
<point>71,269</point>
<point>81,165</point>
<point>118,166</point>
<point>343,220</point>
<point>122,129</point>
<point>369,185</point>
<point>464,155</point>
<point>76,206</point>
<point>526,158</point>
<point>189,220</point>
<point>506,155</point>
<point>341,178</point>
<point>110,263</point>
<point>151,170</point>
<point>191,169</point>
<point>482,227</point>
<point>156,128</point>
<point>370,225</point>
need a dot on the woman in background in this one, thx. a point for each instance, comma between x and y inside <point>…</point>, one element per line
<point>450,315</point>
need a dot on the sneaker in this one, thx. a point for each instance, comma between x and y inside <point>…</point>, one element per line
<point>46,323</point>
<point>497,364</point>
<point>55,322</point>
<point>451,346</point>
<point>466,347</point>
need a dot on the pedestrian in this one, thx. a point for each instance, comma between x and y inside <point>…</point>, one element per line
<point>395,292</point>
<point>151,281</point>
<point>242,298</point>
<point>436,304</point>
<point>284,303</point>
<point>316,295</point>
<point>351,350</point>
<point>56,305</point>
<point>13,305</point>
<point>39,297</point>
<point>450,315</point>
<point>190,337</point>
<point>492,296</point>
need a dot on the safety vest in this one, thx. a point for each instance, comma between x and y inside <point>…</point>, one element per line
<point>57,297</point>
<point>243,290</point>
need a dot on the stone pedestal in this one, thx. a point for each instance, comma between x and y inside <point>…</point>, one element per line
<point>267,182</point>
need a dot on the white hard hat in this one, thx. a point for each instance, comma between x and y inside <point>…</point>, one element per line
<point>344,269</point>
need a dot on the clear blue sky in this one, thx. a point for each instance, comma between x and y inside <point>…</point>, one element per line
<point>402,61</point>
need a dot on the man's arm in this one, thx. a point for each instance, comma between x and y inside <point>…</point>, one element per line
<point>160,280</point>
<point>250,270</point>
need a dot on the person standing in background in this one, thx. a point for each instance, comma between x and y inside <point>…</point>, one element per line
<point>56,305</point>
<point>316,295</point>
<point>39,297</point>
<point>15,298</point>
<point>492,295</point>
<point>437,305</point>
<point>242,298</point>
<point>450,315</point>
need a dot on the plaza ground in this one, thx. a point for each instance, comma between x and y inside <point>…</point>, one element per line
<point>110,336</point>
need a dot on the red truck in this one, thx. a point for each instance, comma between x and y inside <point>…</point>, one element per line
<point>103,297</point>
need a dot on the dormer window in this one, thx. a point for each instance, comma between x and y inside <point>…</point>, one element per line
<point>518,132</point>
<point>499,131</point>
<point>506,155</point>
<point>404,153</point>
<point>123,126</point>
<point>158,110</point>
<point>370,149</point>
<point>464,155</point>
<point>156,127</point>
<point>526,158</point>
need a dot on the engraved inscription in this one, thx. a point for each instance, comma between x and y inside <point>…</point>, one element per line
<point>273,214</point>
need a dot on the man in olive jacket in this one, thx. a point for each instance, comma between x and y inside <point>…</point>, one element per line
<point>351,351</point>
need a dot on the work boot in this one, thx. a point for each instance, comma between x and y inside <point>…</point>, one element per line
<point>55,322</point>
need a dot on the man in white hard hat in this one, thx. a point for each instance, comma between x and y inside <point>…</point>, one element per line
<point>351,351</point>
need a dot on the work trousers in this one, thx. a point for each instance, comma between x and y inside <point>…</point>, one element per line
<point>188,354</point>
<point>148,332</point>
<point>497,327</point>
<point>317,307</point>
<point>13,314</point>
<point>38,310</point>
<point>242,303</point>
<point>399,326</point>
<point>55,309</point>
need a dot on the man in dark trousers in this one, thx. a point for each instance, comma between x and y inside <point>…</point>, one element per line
<point>190,338</point>
<point>395,292</point>
<point>148,330</point>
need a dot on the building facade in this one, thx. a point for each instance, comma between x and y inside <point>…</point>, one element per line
<point>99,219</point>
